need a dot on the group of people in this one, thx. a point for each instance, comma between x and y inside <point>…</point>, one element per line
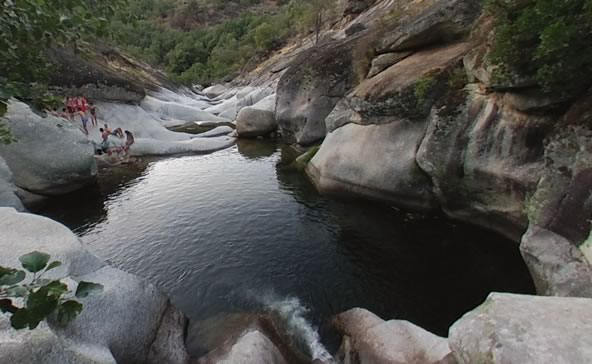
<point>106,146</point>
<point>79,109</point>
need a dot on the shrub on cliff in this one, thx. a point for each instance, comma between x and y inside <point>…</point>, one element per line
<point>548,40</point>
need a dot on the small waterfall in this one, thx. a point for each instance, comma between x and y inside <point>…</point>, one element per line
<point>292,314</point>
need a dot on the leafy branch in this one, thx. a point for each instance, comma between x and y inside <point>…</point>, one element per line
<point>31,303</point>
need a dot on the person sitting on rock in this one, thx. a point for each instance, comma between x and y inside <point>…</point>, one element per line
<point>129,140</point>
<point>118,133</point>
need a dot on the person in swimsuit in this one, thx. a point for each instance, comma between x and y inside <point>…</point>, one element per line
<point>129,140</point>
<point>93,113</point>
<point>84,120</point>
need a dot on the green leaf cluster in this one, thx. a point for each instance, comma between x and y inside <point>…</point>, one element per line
<point>549,41</point>
<point>38,299</point>
<point>209,54</point>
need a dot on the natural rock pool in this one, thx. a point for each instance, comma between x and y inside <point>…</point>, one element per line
<point>235,232</point>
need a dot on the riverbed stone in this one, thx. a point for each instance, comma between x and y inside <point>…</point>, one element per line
<point>369,339</point>
<point>214,91</point>
<point>253,122</point>
<point>510,328</point>
<point>557,266</point>
<point>50,156</point>
<point>374,161</point>
<point>131,321</point>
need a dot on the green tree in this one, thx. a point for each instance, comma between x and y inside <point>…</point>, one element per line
<point>548,40</point>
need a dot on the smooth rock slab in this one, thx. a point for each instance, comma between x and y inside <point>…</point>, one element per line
<point>51,156</point>
<point>370,340</point>
<point>374,161</point>
<point>511,328</point>
<point>130,322</point>
<point>557,266</point>
<point>252,347</point>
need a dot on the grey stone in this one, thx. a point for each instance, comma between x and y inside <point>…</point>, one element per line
<point>374,161</point>
<point>253,347</point>
<point>384,61</point>
<point>557,266</point>
<point>8,196</point>
<point>485,160</point>
<point>253,122</point>
<point>51,156</point>
<point>129,322</point>
<point>442,22</point>
<point>307,92</point>
<point>214,91</point>
<point>511,328</point>
<point>370,340</point>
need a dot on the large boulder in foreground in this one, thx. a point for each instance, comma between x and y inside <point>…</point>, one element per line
<point>557,266</point>
<point>51,156</point>
<point>511,328</point>
<point>374,161</point>
<point>8,197</point>
<point>370,340</point>
<point>252,347</point>
<point>253,122</point>
<point>130,322</point>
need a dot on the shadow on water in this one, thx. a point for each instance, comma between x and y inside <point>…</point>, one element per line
<point>220,232</point>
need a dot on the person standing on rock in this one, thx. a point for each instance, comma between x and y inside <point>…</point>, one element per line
<point>129,140</point>
<point>83,120</point>
<point>93,113</point>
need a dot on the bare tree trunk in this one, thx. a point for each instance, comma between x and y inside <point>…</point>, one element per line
<point>318,25</point>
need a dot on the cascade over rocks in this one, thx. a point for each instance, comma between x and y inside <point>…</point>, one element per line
<point>131,321</point>
<point>511,328</point>
<point>51,156</point>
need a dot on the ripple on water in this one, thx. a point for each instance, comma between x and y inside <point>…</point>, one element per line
<point>208,229</point>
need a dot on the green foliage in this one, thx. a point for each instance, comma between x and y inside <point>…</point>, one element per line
<point>422,87</point>
<point>35,301</point>
<point>210,53</point>
<point>28,27</point>
<point>547,40</point>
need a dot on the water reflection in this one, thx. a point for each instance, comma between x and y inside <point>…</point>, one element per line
<point>218,231</point>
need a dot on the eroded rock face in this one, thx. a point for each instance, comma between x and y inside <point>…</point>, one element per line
<point>485,161</point>
<point>369,339</point>
<point>214,91</point>
<point>442,22</point>
<point>253,122</point>
<point>557,266</point>
<point>375,161</point>
<point>510,328</point>
<point>384,61</point>
<point>310,89</point>
<point>253,347</point>
<point>51,156</point>
<point>130,322</point>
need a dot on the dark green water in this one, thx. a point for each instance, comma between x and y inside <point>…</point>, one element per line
<point>234,231</point>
